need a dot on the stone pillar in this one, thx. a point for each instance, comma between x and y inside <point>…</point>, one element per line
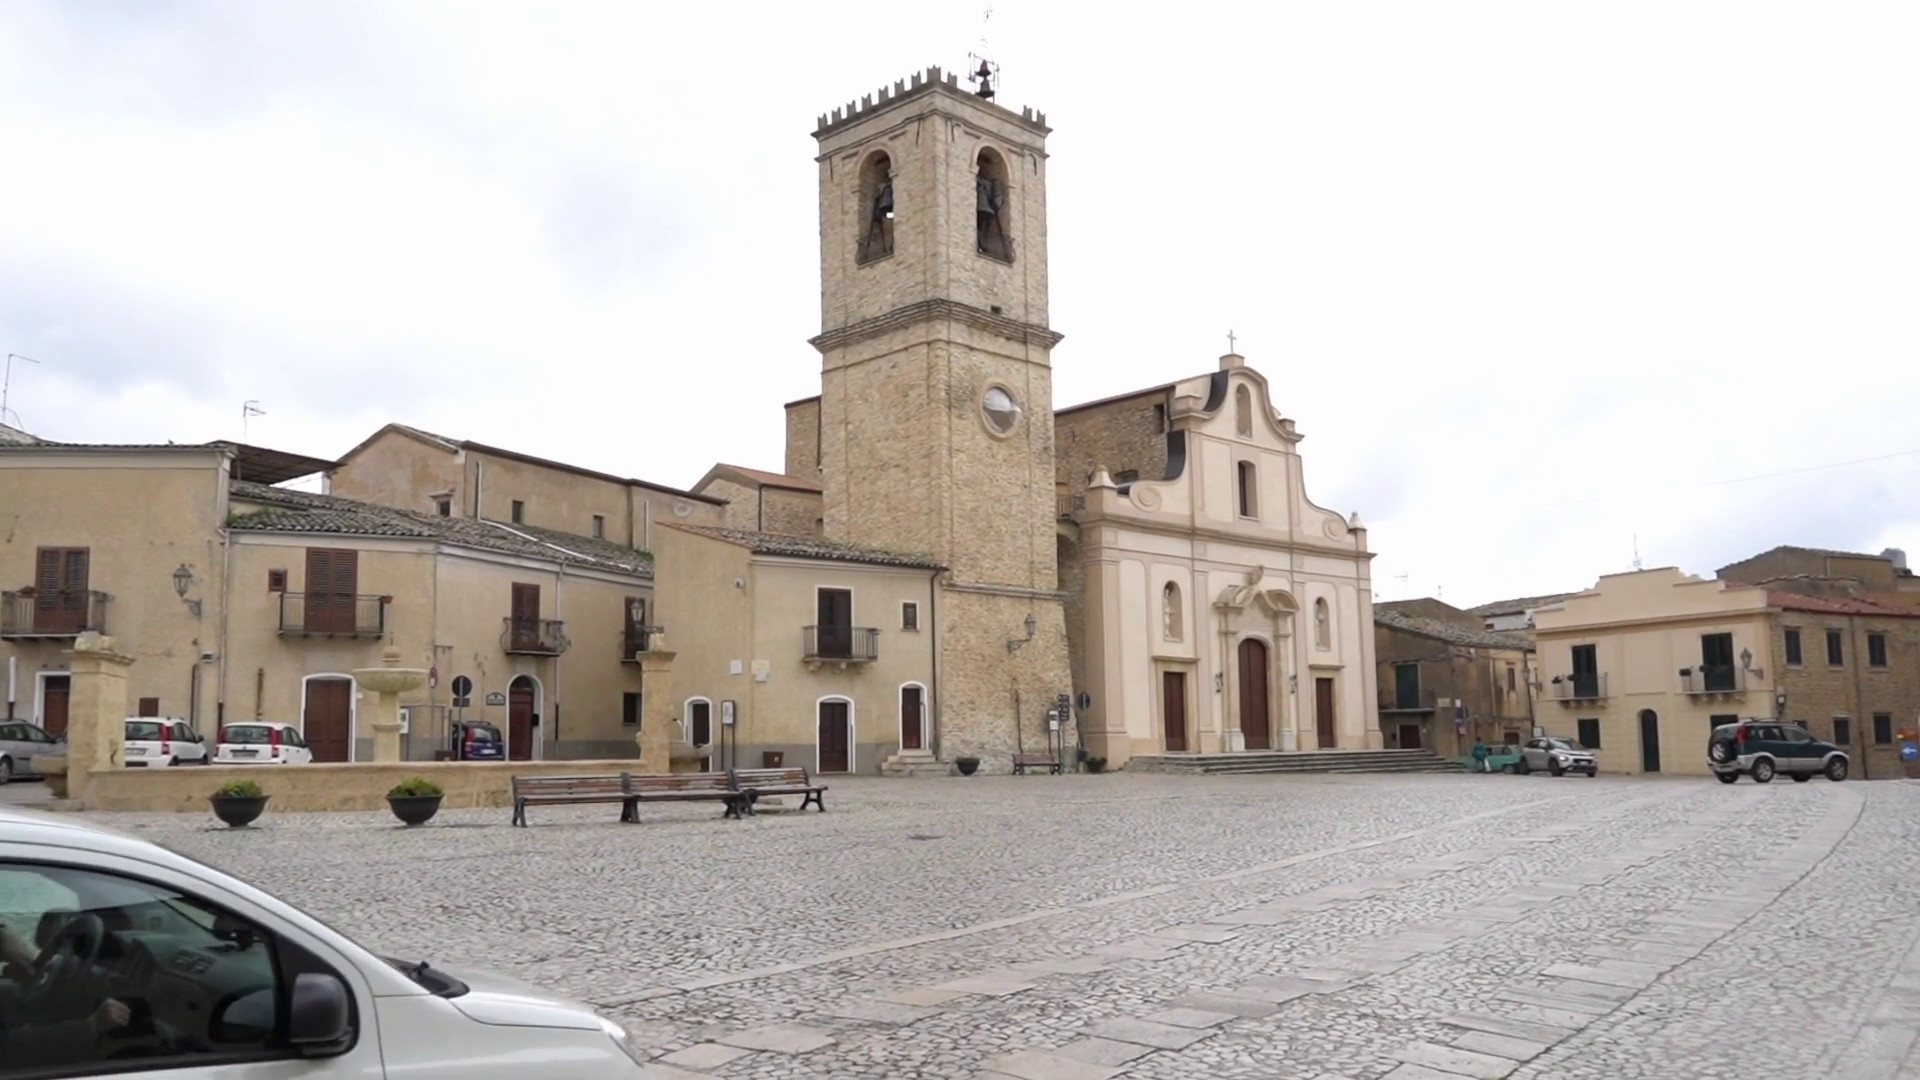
<point>96,710</point>
<point>387,682</point>
<point>656,708</point>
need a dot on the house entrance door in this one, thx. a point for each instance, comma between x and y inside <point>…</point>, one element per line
<point>327,723</point>
<point>520,705</point>
<point>1649,741</point>
<point>54,692</point>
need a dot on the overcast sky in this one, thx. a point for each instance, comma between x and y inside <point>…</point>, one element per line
<point>1534,279</point>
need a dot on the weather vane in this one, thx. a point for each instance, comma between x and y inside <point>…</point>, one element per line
<point>982,70</point>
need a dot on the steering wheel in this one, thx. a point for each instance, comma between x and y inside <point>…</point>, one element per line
<point>67,959</point>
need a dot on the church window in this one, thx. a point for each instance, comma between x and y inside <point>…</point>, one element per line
<point>876,210</point>
<point>991,207</point>
<point>1125,477</point>
<point>998,409</point>
<point>1322,625</point>
<point>1160,419</point>
<point>1170,627</point>
<point>1243,412</point>
<point>1249,490</point>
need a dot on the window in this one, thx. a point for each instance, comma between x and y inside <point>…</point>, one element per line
<point>60,596</point>
<point>1513,684</point>
<point>276,581</point>
<point>149,706</point>
<point>1243,412</point>
<point>630,708</point>
<point>227,1002</point>
<point>990,207</point>
<point>1170,615</point>
<point>876,207</point>
<point>1882,728</point>
<point>1842,731</point>
<point>1589,732</point>
<point>1249,490</point>
<point>1406,686</point>
<point>1586,671</point>
<point>1835,655</point>
<point>1877,650</point>
<point>1716,661</point>
<point>599,527</point>
<point>444,506</point>
<point>909,616</point>
<point>1125,477</point>
<point>519,512</point>
<point>333,579</point>
<point>999,410</point>
<point>1160,419</point>
<point>1322,625</point>
<point>1793,647</point>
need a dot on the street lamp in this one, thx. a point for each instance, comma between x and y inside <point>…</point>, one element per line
<point>182,581</point>
<point>1780,705</point>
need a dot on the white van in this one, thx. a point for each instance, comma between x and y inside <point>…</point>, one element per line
<point>163,740</point>
<point>260,742</point>
<point>126,958</point>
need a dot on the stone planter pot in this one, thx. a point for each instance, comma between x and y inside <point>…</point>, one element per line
<point>53,768</point>
<point>414,809</point>
<point>1096,764</point>
<point>966,765</point>
<point>238,810</point>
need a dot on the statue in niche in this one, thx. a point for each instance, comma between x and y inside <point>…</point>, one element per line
<point>1322,625</point>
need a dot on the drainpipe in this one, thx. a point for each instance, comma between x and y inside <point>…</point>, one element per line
<point>553,702</point>
<point>1860,711</point>
<point>939,692</point>
<point>479,487</point>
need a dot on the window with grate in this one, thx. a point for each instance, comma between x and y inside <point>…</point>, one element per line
<point>630,708</point>
<point>519,512</point>
<point>1793,647</point>
<point>1882,728</point>
<point>1842,731</point>
<point>909,616</point>
<point>1877,650</point>
<point>1590,732</point>
<point>1836,655</point>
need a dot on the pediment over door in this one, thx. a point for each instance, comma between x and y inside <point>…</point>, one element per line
<point>1261,602</point>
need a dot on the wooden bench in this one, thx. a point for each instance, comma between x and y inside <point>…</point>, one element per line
<point>563,790</point>
<point>764,782</point>
<point>692,787</point>
<point>1023,762</point>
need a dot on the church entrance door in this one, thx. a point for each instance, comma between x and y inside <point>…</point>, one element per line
<point>1173,709</point>
<point>1323,713</point>
<point>1256,727</point>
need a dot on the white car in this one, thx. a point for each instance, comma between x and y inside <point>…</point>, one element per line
<point>261,742</point>
<point>161,740</point>
<point>126,958</point>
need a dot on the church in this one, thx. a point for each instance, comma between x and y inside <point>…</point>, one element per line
<point>988,575</point>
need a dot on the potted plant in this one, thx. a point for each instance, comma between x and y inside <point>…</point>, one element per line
<point>1096,764</point>
<point>415,800</point>
<point>238,802</point>
<point>966,763</point>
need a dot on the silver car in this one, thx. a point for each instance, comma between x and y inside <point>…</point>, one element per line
<point>19,742</point>
<point>1555,755</point>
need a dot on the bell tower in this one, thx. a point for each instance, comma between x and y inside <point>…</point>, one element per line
<point>936,405</point>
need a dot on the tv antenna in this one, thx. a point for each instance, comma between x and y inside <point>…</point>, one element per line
<point>6,385</point>
<point>247,410</point>
<point>1636,551</point>
<point>983,72</point>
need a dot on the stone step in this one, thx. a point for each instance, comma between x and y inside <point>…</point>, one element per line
<point>913,763</point>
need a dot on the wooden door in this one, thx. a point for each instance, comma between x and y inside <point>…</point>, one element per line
<point>54,692</point>
<point>1255,726</point>
<point>1649,741</point>
<point>1409,736</point>
<point>1173,710</point>
<point>520,700</point>
<point>700,727</point>
<point>836,623</point>
<point>327,722</point>
<point>526,618</point>
<point>1323,713</point>
<point>60,590</point>
<point>912,719</point>
<point>333,577</point>
<point>835,753</point>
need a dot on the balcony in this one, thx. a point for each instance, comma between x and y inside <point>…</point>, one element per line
<point>533,637</point>
<point>26,616</point>
<point>1714,679</point>
<point>635,640</point>
<point>302,615</point>
<point>841,645</point>
<point>1588,686</point>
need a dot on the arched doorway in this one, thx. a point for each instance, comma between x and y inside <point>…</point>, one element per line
<point>1256,724</point>
<point>523,701</point>
<point>1649,741</point>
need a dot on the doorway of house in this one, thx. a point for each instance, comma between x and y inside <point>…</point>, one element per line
<point>1649,741</point>
<point>55,691</point>
<point>700,728</point>
<point>1410,736</point>
<point>835,748</point>
<point>1323,714</point>
<point>1256,727</point>
<point>1173,710</point>
<point>327,723</point>
<point>912,718</point>
<point>521,698</point>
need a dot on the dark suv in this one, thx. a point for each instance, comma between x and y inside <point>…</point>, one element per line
<point>1760,748</point>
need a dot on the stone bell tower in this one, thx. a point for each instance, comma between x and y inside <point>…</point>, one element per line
<point>936,405</point>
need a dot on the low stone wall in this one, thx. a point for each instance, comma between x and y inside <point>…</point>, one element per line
<point>357,786</point>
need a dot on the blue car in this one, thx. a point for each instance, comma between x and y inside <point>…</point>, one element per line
<point>477,740</point>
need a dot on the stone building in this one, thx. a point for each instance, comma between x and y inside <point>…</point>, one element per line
<point>759,501</point>
<point>1820,572</point>
<point>1515,614</point>
<point>1446,681</point>
<point>240,600</point>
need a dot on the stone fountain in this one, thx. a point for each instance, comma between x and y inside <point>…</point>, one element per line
<point>388,682</point>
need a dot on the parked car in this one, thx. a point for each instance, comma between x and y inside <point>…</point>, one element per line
<point>1501,758</point>
<point>1556,755</point>
<point>160,740</point>
<point>261,742</point>
<point>1761,748</point>
<point>477,740</point>
<point>216,978</point>
<point>19,742</point>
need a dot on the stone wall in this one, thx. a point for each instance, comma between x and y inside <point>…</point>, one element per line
<point>803,439</point>
<point>1817,692</point>
<point>981,678</point>
<point>1817,572</point>
<point>1121,435</point>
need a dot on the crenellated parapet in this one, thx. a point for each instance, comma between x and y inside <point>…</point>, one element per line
<point>919,83</point>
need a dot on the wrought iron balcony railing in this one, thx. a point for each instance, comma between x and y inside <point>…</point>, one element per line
<point>26,614</point>
<point>308,615</point>
<point>841,644</point>
<point>1588,686</point>
<point>533,637</point>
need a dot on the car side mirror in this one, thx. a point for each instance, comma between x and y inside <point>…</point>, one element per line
<point>320,1017</point>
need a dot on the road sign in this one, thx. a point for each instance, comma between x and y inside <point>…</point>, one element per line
<point>496,698</point>
<point>1908,751</point>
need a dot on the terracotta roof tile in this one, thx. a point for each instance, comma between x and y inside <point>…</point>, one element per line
<point>770,479</point>
<point>1452,632</point>
<point>805,547</point>
<point>1841,605</point>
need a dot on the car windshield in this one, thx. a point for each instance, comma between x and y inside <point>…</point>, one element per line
<point>1565,744</point>
<point>144,729</point>
<point>483,734</point>
<point>248,733</point>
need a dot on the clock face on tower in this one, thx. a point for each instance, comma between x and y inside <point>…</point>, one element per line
<point>998,408</point>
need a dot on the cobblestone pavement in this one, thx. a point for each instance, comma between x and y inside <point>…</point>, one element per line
<point>1163,927</point>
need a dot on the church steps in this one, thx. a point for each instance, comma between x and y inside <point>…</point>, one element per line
<point>1304,761</point>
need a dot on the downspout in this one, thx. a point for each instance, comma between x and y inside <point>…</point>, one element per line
<point>939,691</point>
<point>553,702</point>
<point>479,487</point>
<point>1860,711</point>
<point>760,509</point>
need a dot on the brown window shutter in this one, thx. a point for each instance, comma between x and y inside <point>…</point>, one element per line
<point>346,574</point>
<point>319,572</point>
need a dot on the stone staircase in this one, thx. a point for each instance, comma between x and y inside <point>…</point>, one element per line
<point>1301,761</point>
<point>910,763</point>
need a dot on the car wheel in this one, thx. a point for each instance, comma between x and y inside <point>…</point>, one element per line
<point>1522,767</point>
<point>1553,767</point>
<point>1837,769</point>
<point>1508,769</point>
<point>1726,777</point>
<point>1721,753</point>
<point>6,770</point>
<point>1800,777</point>
<point>1762,771</point>
<point>1591,773</point>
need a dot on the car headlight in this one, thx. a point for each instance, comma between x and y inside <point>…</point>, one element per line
<point>624,1041</point>
<point>1561,758</point>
